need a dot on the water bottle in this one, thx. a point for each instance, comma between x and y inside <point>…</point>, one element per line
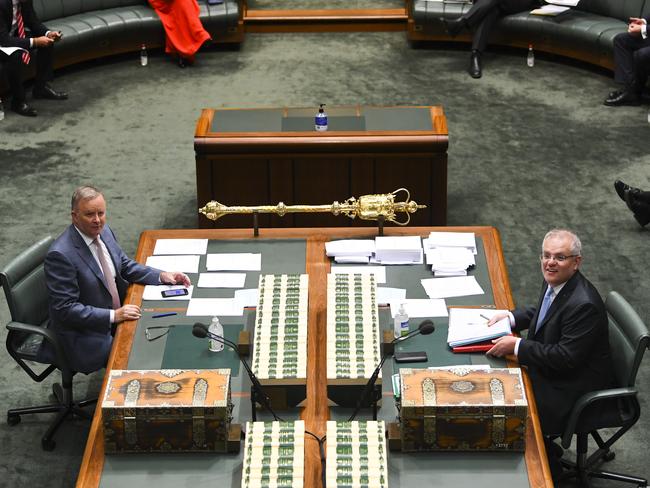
<point>648,116</point>
<point>401,322</point>
<point>320,121</point>
<point>144,59</point>
<point>530,59</point>
<point>2,111</point>
<point>217,329</point>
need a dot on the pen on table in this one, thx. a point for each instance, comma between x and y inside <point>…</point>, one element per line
<point>486,318</point>
<point>161,315</point>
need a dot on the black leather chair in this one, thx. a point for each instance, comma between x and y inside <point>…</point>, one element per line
<point>615,408</point>
<point>23,281</point>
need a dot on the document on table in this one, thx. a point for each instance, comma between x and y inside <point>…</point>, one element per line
<point>469,326</point>
<point>390,295</point>
<point>550,10</point>
<point>10,50</point>
<point>566,3</point>
<point>451,239</point>
<point>186,264</point>
<point>458,286</point>
<point>420,307</point>
<point>248,297</point>
<point>215,306</point>
<point>378,271</point>
<point>398,249</point>
<point>221,280</point>
<point>180,246</point>
<point>245,261</point>
<point>153,292</point>
<point>350,247</point>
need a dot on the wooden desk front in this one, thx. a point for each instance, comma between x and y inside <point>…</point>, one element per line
<point>266,156</point>
<point>316,410</point>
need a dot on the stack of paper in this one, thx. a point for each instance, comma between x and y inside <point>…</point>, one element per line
<point>450,261</point>
<point>469,326</point>
<point>350,250</point>
<point>398,250</point>
<point>550,10</point>
<point>465,240</point>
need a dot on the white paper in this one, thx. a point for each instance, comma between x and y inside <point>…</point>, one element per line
<point>221,280</point>
<point>443,273</point>
<point>248,297</point>
<point>350,247</point>
<point>186,264</point>
<point>153,292</point>
<point>551,10</point>
<point>398,249</point>
<point>390,295</point>
<point>420,307</point>
<point>451,239</point>
<point>352,259</point>
<point>378,271</point>
<point>450,257</point>
<point>10,50</point>
<point>181,246</point>
<point>245,261</point>
<point>214,306</point>
<point>459,286</point>
<point>566,3</point>
<point>469,325</point>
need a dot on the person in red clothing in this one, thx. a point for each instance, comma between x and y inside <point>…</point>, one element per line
<point>184,32</point>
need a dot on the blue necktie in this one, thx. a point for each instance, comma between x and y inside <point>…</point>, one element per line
<point>546,303</point>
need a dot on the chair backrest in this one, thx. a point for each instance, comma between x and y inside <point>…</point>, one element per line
<point>23,281</point>
<point>56,9</point>
<point>618,9</point>
<point>628,339</point>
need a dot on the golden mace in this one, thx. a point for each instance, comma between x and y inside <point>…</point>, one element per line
<point>367,207</point>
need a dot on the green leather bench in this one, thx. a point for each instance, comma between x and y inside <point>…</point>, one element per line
<point>586,33</point>
<point>96,28</point>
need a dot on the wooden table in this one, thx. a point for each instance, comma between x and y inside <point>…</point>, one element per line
<point>317,266</point>
<point>266,156</point>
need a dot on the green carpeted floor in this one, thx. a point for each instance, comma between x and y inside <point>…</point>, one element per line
<point>529,149</point>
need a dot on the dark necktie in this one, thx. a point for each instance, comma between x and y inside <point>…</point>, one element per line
<point>106,269</point>
<point>546,304</point>
<point>21,30</point>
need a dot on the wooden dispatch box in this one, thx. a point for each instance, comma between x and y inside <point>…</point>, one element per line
<point>466,408</point>
<point>169,410</point>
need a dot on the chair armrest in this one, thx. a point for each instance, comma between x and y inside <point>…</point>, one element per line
<point>48,335</point>
<point>588,399</point>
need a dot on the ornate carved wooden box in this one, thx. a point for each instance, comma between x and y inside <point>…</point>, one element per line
<point>462,408</point>
<point>167,411</point>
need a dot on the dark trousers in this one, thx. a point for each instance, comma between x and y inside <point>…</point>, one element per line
<point>632,60</point>
<point>484,13</point>
<point>41,58</point>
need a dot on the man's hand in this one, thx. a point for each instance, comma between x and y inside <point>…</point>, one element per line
<point>42,41</point>
<point>497,317</point>
<point>174,278</point>
<point>634,29</point>
<point>503,346</point>
<point>54,35</point>
<point>127,312</point>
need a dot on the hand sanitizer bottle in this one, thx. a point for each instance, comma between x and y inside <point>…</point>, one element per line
<point>320,121</point>
<point>217,329</point>
<point>401,322</point>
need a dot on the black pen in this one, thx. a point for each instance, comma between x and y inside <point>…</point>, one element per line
<point>161,315</point>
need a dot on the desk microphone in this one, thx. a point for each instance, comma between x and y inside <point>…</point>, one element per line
<point>201,331</point>
<point>425,328</point>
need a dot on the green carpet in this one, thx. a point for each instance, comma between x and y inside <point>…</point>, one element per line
<point>529,149</point>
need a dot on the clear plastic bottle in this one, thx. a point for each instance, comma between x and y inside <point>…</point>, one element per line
<point>530,59</point>
<point>2,111</point>
<point>401,322</point>
<point>144,59</point>
<point>217,329</point>
<point>320,121</point>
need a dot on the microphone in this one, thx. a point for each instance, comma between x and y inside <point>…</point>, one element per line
<point>425,328</point>
<point>201,331</point>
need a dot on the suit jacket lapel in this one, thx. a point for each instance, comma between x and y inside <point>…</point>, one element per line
<point>86,255</point>
<point>558,301</point>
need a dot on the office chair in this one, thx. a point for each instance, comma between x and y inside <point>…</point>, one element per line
<point>616,407</point>
<point>23,281</point>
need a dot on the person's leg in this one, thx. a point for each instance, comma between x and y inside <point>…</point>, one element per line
<point>14,68</point>
<point>44,74</point>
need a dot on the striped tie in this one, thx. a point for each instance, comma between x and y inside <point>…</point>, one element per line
<point>21,31</point>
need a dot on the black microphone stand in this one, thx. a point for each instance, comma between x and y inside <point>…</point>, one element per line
<point>257,391</point>
<point>370,385</point>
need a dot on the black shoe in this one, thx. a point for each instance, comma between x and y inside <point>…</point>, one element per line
<point>621,188</point>
<point>181,62</point>
<point>625,97</point>
<point>614,93</point>
<point>46,91</point>
<point>453,27</point>
<point>475,64</point>
<point>21,108</point>
<point>643,219</point>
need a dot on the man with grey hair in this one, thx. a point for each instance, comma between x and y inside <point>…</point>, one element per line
<point>566,350</point>
<point>87,276</point>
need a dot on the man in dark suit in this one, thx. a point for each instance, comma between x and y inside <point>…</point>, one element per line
<point>637,200</point>
<point>87,275</point>
<point>566,350</point>
<point>631,63</point>
<point>20,28</point>
<point>480,18</point>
